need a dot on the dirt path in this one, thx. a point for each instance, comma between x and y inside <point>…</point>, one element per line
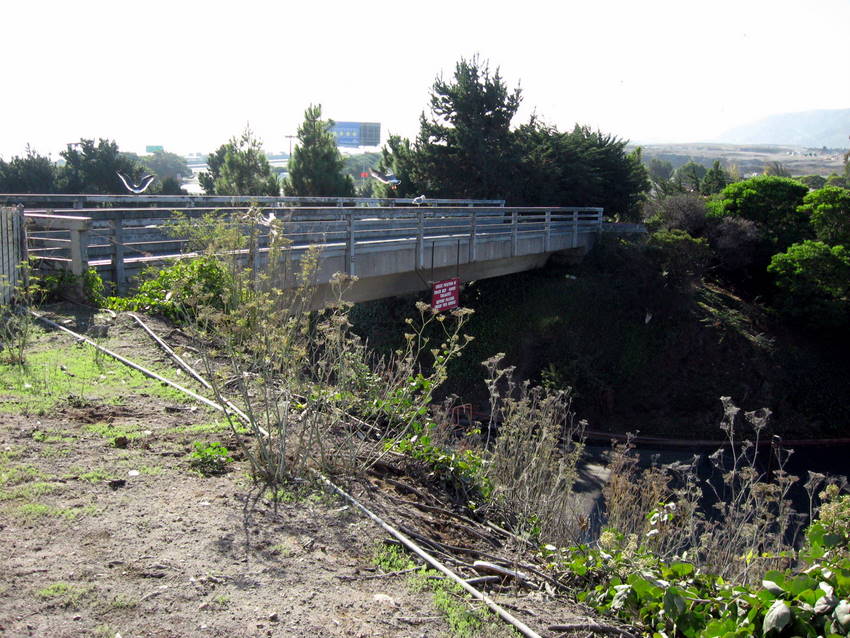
<point>107,530</point>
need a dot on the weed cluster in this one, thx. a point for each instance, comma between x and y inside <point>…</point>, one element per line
<point>532,465</point>
<point>314,395</point>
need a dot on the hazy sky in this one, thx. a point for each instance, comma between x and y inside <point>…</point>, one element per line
<point>188,75</point>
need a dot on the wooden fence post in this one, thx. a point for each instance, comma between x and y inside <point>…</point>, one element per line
<point>12,251</point>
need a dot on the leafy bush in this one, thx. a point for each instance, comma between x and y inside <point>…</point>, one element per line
<point>813,282</point>
<point>681,258</point>
<point>683,211</point>
<point>672,591</point>
<point>740,251</point>
<point>177,291</point>
<point>829,210</point>
<point>769,201</point>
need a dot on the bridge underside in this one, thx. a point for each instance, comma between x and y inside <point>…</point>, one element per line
<point>391,272</point>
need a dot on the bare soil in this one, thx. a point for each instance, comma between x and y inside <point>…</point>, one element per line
<point>103,534</point>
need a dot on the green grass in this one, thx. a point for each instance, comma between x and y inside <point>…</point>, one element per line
<point>55,373</point>
<point>97,475</point>
<point>449,597</point>
<point>29,491</point>
<point>63,594</point>
<point>16,474</point>
<point>32,512</point>
<point>112,432</point>
<point>52,436</point>
<point>213,427</point>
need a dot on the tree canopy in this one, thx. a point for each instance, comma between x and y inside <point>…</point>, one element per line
<point>32,173</point>
<point>239,167</point>
<point>467,148</point>
<point>92,168</point>
<point>829,211</point>
<point>316,167</point>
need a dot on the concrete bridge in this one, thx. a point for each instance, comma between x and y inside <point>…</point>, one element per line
<point>391,249</point>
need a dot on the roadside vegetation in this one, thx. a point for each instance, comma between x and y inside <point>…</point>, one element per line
<point>664,550</point>
<point>318,400</point>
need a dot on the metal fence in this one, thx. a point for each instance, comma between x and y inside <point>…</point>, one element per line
<point>12,251</point>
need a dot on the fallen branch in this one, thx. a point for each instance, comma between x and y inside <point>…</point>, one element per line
<point>502,613</point>
<point>595,627</point>
<point>131,364</point>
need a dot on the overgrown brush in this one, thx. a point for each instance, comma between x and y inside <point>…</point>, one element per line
<point>752,525</point>
<point>314,395</point>
<point>532,468</point>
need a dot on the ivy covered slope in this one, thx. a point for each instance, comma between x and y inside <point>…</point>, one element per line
<point>623,578</point>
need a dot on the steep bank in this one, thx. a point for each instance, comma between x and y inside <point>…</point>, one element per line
<point>640,354</point>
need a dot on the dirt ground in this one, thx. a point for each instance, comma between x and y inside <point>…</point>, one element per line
<point>107,530</point>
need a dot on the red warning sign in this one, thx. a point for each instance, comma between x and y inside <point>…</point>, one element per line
<point>445,295</point>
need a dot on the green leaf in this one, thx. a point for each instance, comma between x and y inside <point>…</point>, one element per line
<point>772,587</point>
<point>674,604</point>
<point>681,570</point>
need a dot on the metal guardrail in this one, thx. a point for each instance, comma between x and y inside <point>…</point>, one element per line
<point>81,201</point>
<point>117,241</point>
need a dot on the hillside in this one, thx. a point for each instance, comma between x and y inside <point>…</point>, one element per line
<point>640,357</point>
<point>812,129</point>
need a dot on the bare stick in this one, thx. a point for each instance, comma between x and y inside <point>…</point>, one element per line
<point>594,627</point>
<point>191,371</point>
<point>518,624</point>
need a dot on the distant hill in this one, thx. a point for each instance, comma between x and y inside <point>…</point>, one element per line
<point>812,129</point>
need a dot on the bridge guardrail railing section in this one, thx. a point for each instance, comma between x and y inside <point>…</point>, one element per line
<point>120,242</point>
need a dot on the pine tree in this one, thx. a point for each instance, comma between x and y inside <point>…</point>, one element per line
<point>239,167</point>
<point>316,168</point>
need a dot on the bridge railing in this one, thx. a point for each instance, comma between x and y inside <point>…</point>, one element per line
<point>83,201</point>
<point>120,242</point>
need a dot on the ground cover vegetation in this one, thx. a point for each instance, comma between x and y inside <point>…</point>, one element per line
<point>317,400</point>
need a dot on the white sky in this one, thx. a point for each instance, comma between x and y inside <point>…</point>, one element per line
<point>188,75</point>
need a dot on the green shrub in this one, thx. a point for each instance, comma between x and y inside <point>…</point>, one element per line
<point>176,291</point>
<point>681,258</point>
<point>829,209</point>
<point>769,201</point>
<point>813,281</point>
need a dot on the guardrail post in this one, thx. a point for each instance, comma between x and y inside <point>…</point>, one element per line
<point>473,231</point>
<point>420,239</point>
<point>349,253</point>
<point>514,220</point>
<point>118,255</point>
<point>79,251</point>
<point>547,241</point>
<point>575,228</point>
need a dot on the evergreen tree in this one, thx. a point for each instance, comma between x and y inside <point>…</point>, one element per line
<point>316,167</point>
<point>239,167</point>
<point>715,180</point>
<point>92,168</point>
<point>32,173</point>
<point>464,148</point>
